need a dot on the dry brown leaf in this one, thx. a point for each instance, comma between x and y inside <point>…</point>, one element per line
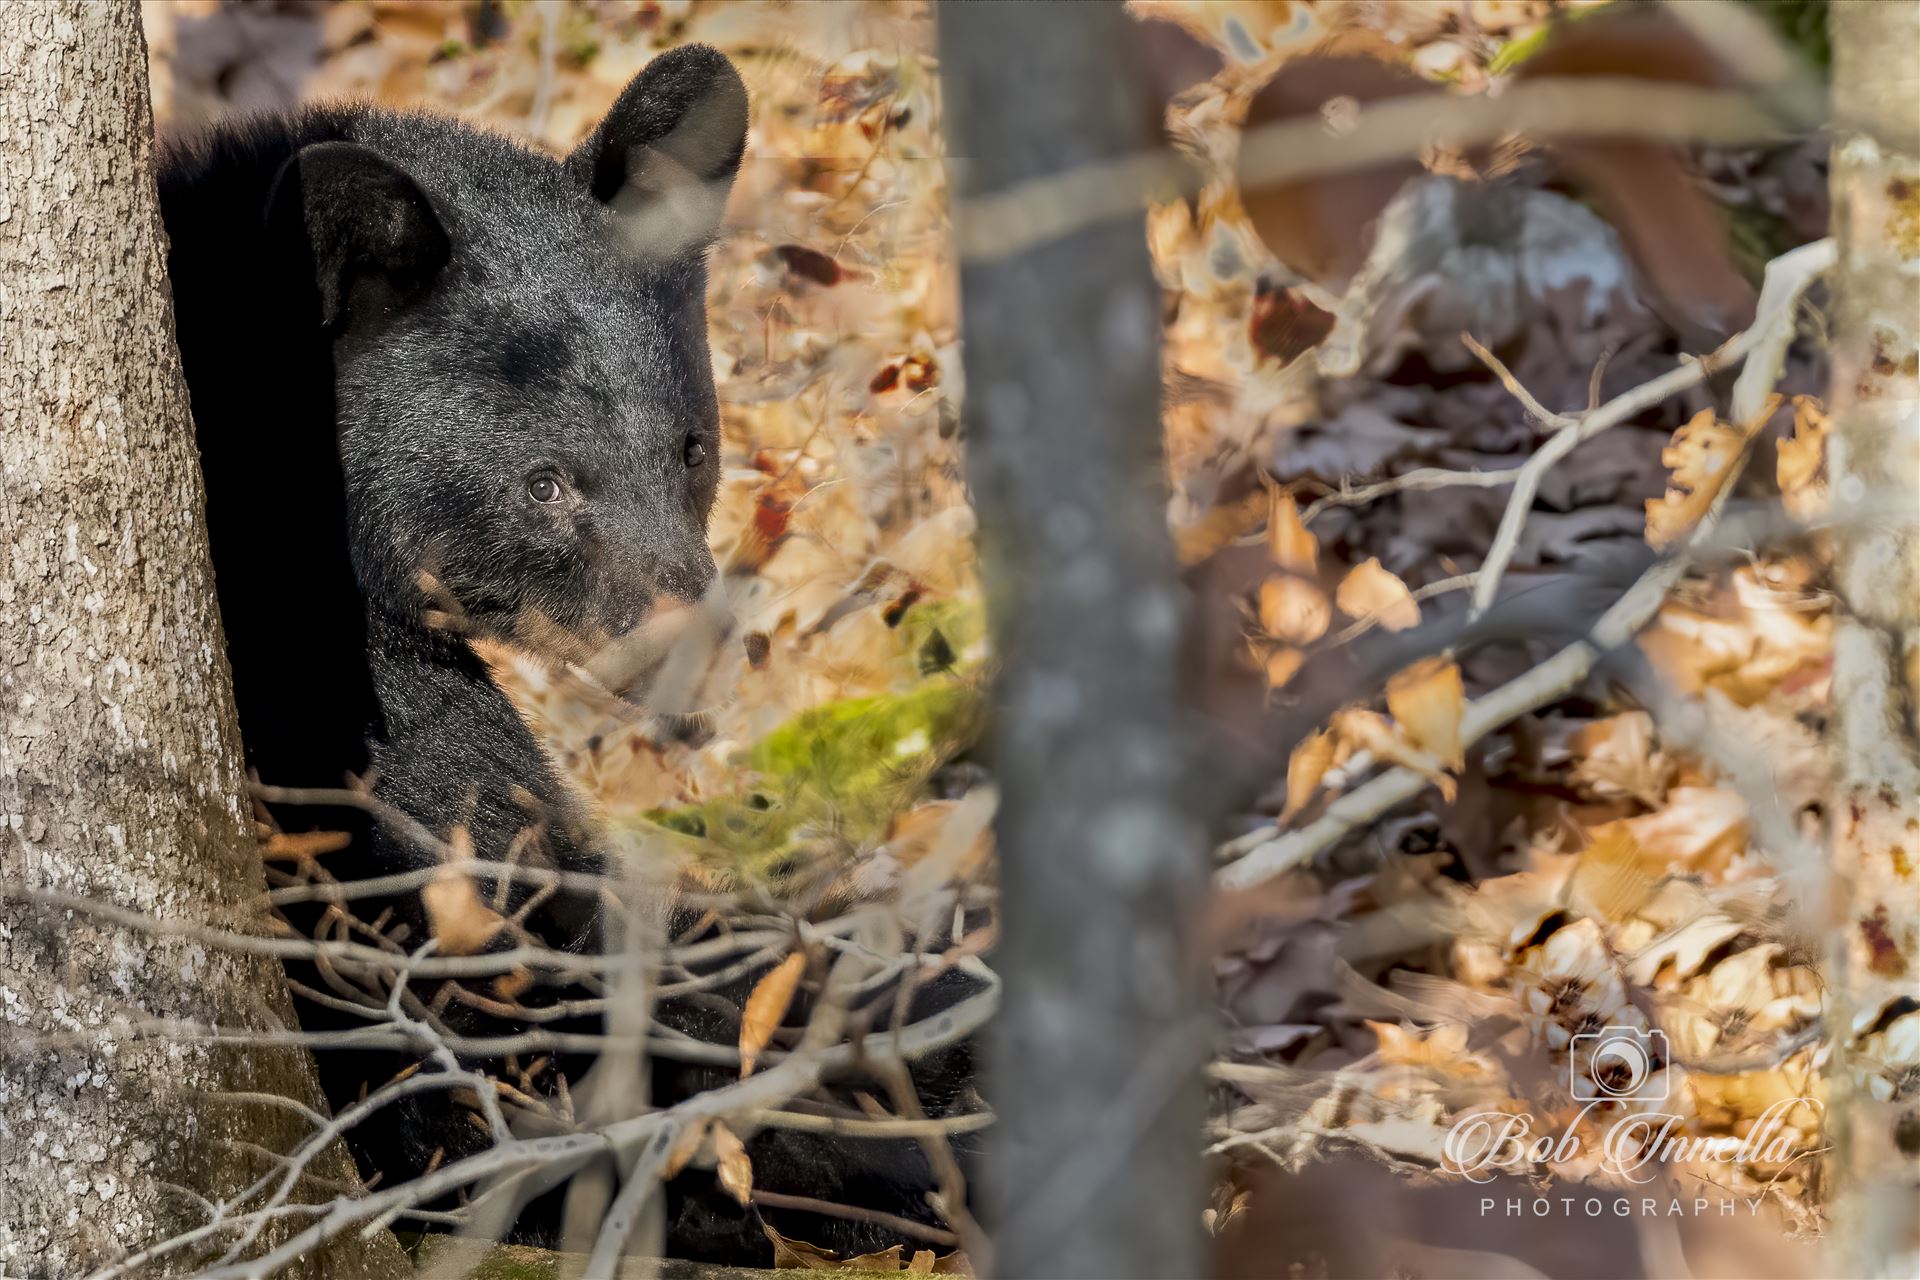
<point>1699,829</point>
<point>1293,610</point>
<point>1281,665</point>
<point>1800,459</point>
<point>1617,757</point>
<point>797,1255</point>
<point>1428,700</point>
<point>1702,457</point>
<point>1691,649</point>
<point>731,1163</point>
<point>1323,226</point>
<point>1208,531</point>
<point>300,846</point>
<point>685,1147</point>
<point>916,834</point>
<point>513,984</point>
<point>1615,878</point>
<point>1684,949</point>
<point>1370,731</point>
<point>1745,641</point>
<point>958,850</point>
<point>457,918</point>
<point>767,1007</point>
<point>1287,323</point>
<point>1443,1048</point>
<point>1289,543</point>
<point>1305,767</point>
<point>1372,591</point>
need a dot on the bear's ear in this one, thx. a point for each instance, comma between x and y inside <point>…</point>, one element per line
<point>371,234</point>
<point>666,154</point>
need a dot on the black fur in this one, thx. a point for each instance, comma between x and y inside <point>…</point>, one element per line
<point>392,324</point>
<point>692,112</point>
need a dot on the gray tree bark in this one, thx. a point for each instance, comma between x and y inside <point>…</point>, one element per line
<point>1095,1061</point>
<point>120,774</point>
<point>1874,461</point>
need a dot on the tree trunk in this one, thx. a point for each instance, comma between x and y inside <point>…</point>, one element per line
<point>1875,465</point>
<point>1096,1054</point>
<point>120,775</point>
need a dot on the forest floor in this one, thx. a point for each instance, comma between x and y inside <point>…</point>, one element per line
<point>1618,855</point>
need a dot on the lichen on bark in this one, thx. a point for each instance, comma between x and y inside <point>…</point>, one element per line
<point>1875,468</point>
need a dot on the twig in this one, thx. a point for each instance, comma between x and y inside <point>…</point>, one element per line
<point>949,1198</point>
<point>616,1087</point>
<point>1535,689</point>
<point>860,1127</point>
<point>1516,389</point>
<point>342,1214</point>
<point>1599,375</point>
<point>542,105</point>
<point>1787,277</point>
<point>1422,478</point>
<point>661,1134</point>
<point>1779,300</point>
<point>395,820</point>
<point>799,1072</point>
<point>293,1166</point>
<point>826,1208</point>
<point>404,881</point>
<point>1735,1064</point>
<point>366,957</point>
<point>1459,582</point>
<point>1042,210</point>
<point>676,1047</point>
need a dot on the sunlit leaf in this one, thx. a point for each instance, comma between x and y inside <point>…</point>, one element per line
<point>1800,459</point>
<point>1702,457</point>
<point>1372,732</point>
<point>767,1007</point>
<point>1281,664</point>
<point>685,1147</point>
<point>460,922</point>
<point>1428,700</point>
<point>300,846</point>
<point>1305,767</point>
<point>1293,610</point>
<point>1371,590</point>
<point>1615,878</point>
<point>1290,544</point>
<point>731,1164</point>
<point>513,984</point>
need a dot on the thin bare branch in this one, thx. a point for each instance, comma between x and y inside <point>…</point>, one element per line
<point>1543,415</point>
<point>1041,210</point>
<point>1787,277</point>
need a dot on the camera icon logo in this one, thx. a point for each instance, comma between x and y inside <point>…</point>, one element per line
<point>1617,1063</point>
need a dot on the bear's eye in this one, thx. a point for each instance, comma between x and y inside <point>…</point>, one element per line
<point>545,488</point>
<point>695,453</point>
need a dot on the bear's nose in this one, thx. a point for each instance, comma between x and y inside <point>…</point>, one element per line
<point>686,582</point>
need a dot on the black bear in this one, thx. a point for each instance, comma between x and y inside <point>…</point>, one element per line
<point>447,387</point>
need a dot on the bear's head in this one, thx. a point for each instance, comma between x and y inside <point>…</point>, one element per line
<point>527,421</point>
